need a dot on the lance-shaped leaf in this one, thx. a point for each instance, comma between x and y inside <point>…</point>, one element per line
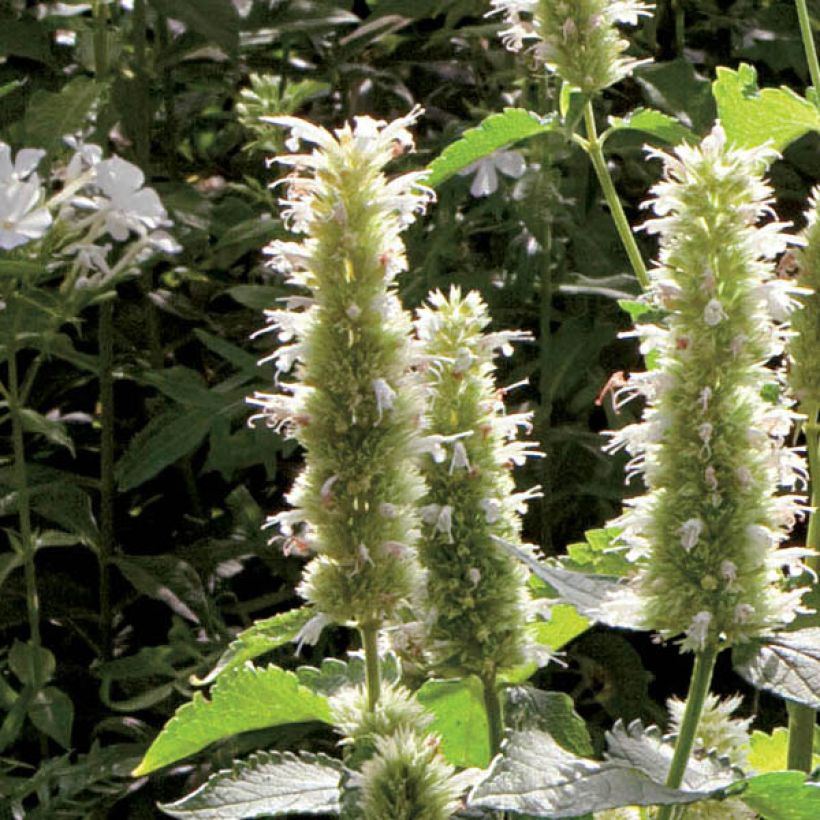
<point>787,664</point>
<point>535,776</point>
<point>262,637</point>
<point>587,592</point>
<point>265,785</point>
<point>752,117</point>
<point>496,131</point>
<point>242,700</point>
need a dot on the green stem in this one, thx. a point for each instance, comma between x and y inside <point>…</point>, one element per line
<point>808,43</point>
<point>106,346</point>
<point>698,690</point>
<point>680,27</point>
<point>492,706</point>
<point>370,634</point>
<point>23,501</point>
<point>594,148</point>
<point>802,719</point>
<point>100,39</point>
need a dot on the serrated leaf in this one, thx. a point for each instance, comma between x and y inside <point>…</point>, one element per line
<point>242,700</point>
<point>563,626</point>
<point>459,718</point>
<point>787,664</point>
<point>52,115</point>
<point>781,796</point>
<point>52,712</point>
<point>551,712</point>
<point>656,124</point>
<point>165,439</point>
<point>536,776</point>
<point>262,637</point>
<point>751,116</point>
<point>495,132</point>
<point>769,753</point>
<point>266,784</point>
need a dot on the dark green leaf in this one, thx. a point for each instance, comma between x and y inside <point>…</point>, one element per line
<point>787,664</point>
<point>266,785</point>
<point>241,700</point>
<point>52,115</point>
<point>52,712</point>
<point>551,712</point>
<point>216,20</point>
<point>33,665</point>
<point>55,432</point>
<point>676,89</point>
<point>495,132</point>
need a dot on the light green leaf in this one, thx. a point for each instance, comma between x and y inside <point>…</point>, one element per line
<point>52,712</point>
<point>536,776</point>
<point>52,115</point>
<point>265,785</point>
<point>165,439</point>
<point>459,719</point>
<point>787,664</point>
<point>551,712</point>
<point>242,700</point>
<point>656,124</point>
<point>563,626</point>
<point>258,639</point>
<point>751,116</point>
<point>769,753</point>
<point>496,131</point>
<point>782,796</point>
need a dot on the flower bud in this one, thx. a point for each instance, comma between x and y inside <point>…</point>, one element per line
<point>476,592</point>
<point>353,405</point>
<point>713,453</point>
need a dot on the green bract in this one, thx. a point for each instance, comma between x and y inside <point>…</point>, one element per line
<point>711,448</point>
<point>577,39</point>
<point>475,590</point>
<point>805,345</point>
<point>352,406</point>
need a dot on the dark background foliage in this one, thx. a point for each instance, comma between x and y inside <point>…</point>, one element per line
<point>189,564</point>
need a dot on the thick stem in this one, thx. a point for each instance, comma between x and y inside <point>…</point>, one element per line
<point>802,719</point>
<point>370,634</point>
<point>594,148</point>
<point>106,345</point>
<point>808,42</point>
<point>698,690</point>
<point>492,706</point>
<point>23,501</point>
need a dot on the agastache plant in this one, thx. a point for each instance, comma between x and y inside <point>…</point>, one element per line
<point>711,448</point>
<point>353,404</point>
<point>476,595</point>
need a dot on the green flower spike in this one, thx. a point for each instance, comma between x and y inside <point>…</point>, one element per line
<point>711,448</point>
<point>353,404</point>
<point>804,347</point>
<point>576,39</point>
<point>476,592</point>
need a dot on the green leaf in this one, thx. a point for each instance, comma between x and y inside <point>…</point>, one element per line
<point>265,784</point>
<point>536,776</point>
<point>751,116</point>
<point>26,38</point>
<point>597,554</point>
<point>563,626</point>
<point>55,432</point>
<point>769,753</point>
<point>256,297</point>
<point>496,131</point>
<point>33,665</point>
<point>551,712</point>
<point>215,20</point>
<point>787,664</point>
<point>675,88</point>
<point>52,115</point>
<point>165,439</point>
<point>9,561</point>
<point>781,796</point>
<point>262,637</point>
<point>232,353</point>
<point>459,719</point>
<point>656,124</point>
<point>52,712</point>
<point>241,700</point>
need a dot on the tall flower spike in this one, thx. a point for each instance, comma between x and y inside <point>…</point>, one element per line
<point>351,406</point>
<point>476,591</point>
<point>805,344</point>
<point>577,39</point>
<point>711,448</point>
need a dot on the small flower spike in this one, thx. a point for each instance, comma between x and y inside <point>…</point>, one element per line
<point>352,402</point>
<point>712,447</point>
<point>476,592</point>
<point>576,39</point>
